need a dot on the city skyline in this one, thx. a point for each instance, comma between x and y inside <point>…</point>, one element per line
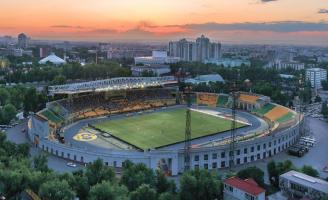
<point>233,21</point>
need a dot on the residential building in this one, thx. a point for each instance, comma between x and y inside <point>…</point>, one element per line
<point>316,76</point>
<point>227,62</point>
<point>44,51</point>
<point>297,185</point>
<point>239,189</point>
<point>158,57</point>
<point>199,50</point>
<point>22,41</point>
<point>278,64</point>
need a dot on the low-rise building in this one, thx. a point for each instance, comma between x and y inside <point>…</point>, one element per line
<point>227,62</point>
<point>156,69</point>
<point>205,79</point>
<point>278,64</point>
<point>239,189</point>
<point>298,185</point>
<point>158,57</point>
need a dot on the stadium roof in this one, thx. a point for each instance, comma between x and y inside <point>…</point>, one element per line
<point>53,59</point>
<point>121,83</point>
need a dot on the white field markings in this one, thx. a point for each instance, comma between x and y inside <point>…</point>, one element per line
<point>219,115</point>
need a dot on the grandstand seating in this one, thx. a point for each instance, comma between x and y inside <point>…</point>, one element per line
<point>209,99</point>
<point>276,113</point>
<point>266,108</point>
<point>97,104</point>
<point>287,117</point>
<point>248,98</point>
<point>222,100</point>
<point>51,116</point>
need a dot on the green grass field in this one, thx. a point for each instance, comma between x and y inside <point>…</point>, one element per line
<point>163,128</point>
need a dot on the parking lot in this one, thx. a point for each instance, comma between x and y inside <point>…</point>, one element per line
<point>317,157</point>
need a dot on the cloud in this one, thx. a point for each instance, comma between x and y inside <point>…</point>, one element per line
<point>67,26</point>
<point>323,11</point>
<point>267,1</point>
<point>103,31</point>
<point>280,26</point>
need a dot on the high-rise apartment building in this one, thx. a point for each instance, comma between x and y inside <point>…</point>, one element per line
<point>315,76</point>
<point>22,41</point>
<point>200,50</point>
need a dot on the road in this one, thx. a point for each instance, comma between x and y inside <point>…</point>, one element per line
<point>55,163</point>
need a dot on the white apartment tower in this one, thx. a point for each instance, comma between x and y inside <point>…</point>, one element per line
<point>315,76</point>
<point>200,50</point>
<point>22,41</point>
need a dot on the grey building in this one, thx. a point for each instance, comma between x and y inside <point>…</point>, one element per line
<point>315,76</point>
<point>22,41</point>
<point>200,50</point>
<point>298,185</point>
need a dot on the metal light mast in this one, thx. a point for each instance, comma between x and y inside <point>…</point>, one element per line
<point>301,96</point>
<point>233,127</point>
<point>187,147</point>
<point>234,92</point>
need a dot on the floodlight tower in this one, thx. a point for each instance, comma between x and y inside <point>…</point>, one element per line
<point>301,89</point>
<point>187,141</point>
<point>234,93</point>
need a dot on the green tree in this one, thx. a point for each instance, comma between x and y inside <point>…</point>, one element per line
<point>81,186</point>
<point>276,169</point>
<point>162,184</point>
<point>200,184</point>
<point>59,80</point>
<point>252,172</point>
<point>324,84</point>
<point>41,162</point>
<point>135,175</point>
<point>167,196</point>
<point>4,96</point>
<point>97,172</point>
<point>108,191</point>
<point>56,189</point>
<point>143,192</point>
<point>306,169</point>
<point>8,112</point>
<point>324,109</point>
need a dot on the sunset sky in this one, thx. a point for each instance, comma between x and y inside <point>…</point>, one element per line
<point>230,21</point>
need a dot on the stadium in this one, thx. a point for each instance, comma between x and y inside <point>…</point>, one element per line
<point>144,120</point>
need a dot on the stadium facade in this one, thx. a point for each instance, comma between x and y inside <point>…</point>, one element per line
<point>53,128</point>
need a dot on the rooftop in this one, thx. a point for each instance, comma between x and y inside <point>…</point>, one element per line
<point>53,59</point>
<point>248,185</point>
<point>316,69</point>
<point>306,180</point>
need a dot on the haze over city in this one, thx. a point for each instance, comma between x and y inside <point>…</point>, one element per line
<point>230,21</point>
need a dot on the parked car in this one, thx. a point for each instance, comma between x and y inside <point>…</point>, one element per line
<point>70,164</point>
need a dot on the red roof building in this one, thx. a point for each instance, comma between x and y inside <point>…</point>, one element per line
<point>239,189</point>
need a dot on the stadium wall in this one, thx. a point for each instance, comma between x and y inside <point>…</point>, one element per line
<point>205,157</point>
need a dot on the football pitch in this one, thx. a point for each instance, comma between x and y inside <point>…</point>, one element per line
<point>152,130</point>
